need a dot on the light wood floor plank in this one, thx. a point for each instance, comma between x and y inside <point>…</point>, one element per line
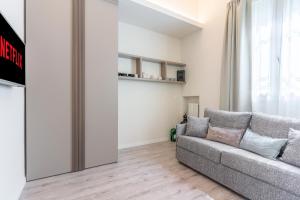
<point>149,172</point>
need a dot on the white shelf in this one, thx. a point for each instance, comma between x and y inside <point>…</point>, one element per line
<point>151,16</point>
<point>149,80</point>
<point>154,60</point>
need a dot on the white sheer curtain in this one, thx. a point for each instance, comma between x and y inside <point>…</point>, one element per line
<point>276,57</point>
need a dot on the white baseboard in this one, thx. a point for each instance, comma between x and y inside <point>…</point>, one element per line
<point>141,143</point>
<point>21,188</point>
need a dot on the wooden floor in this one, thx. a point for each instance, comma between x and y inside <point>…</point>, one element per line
<point>149,172</point>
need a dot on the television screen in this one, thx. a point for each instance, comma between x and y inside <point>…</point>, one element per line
<point>12,56</point>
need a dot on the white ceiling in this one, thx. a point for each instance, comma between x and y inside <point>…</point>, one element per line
<point>153,17</point>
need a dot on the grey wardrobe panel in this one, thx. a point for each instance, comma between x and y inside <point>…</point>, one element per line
<point>48,80</point>
<point>101,82</point>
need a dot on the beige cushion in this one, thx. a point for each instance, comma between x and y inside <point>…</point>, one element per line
<point>225,135</point>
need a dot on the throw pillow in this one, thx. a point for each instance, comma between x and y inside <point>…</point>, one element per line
<point>197,127</point>
<point>225,135</point>
<point>180,129</point>
<point>291,153</point>
<point>265,146</point>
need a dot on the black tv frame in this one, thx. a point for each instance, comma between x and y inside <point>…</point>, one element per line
<point>12,56</point>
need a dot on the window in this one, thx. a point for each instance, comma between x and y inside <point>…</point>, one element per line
<point>276,57</point>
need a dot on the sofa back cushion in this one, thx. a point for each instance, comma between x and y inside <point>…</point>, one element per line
<point>273,126</point>
<point>225,119</point>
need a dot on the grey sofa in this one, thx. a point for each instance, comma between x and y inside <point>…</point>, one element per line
<point>246,173</point>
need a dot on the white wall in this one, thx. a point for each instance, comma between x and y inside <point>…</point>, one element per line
<point>153,108</point>
<point>140,41</point>
<point>188,8</point>
<point>13,11</point>
<point>202,51</point>
<point>12,172</point>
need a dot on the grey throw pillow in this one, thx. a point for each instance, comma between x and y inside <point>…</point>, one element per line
<point>265,146</point>
<point>197,127</point>
<point>225,135</point>
<point>180,129</point>
<point>291,153</point>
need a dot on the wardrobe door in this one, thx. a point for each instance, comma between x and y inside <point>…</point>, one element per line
<point>101,82</point>
<point>48,93</point>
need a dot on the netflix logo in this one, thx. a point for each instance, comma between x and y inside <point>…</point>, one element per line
<point>9,52</point>
<point>12,56</point>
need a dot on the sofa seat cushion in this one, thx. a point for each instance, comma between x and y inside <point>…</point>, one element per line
<point>274,172</point>
<point>208,149</point>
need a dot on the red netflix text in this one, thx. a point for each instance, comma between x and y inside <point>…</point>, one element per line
<point>10,53</point>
